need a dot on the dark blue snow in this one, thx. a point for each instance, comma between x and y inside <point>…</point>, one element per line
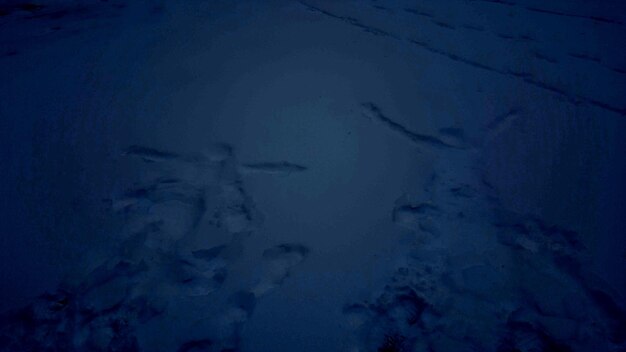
<point>317,175</point>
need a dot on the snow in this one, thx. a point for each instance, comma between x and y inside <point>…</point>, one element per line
<point>312,176</point>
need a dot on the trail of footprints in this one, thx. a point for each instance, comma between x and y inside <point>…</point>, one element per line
<point>162,275</point>
<point>481,278</point>
<point>501,69</point>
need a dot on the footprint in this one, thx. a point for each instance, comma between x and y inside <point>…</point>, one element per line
<point>394,321</point>
<point>202,285</point>
<point>236,213</point>
<point>208,255</point>
<point>277,264</point>
<point>463,191</point>
<point>201,272</point>
<point>175,205</point>
<point>416,216</point>
<point>244,300</point>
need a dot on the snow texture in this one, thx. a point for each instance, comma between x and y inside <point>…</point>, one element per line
<point>317,175</point>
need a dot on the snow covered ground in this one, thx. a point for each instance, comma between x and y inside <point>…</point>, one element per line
<point>313,176</point>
